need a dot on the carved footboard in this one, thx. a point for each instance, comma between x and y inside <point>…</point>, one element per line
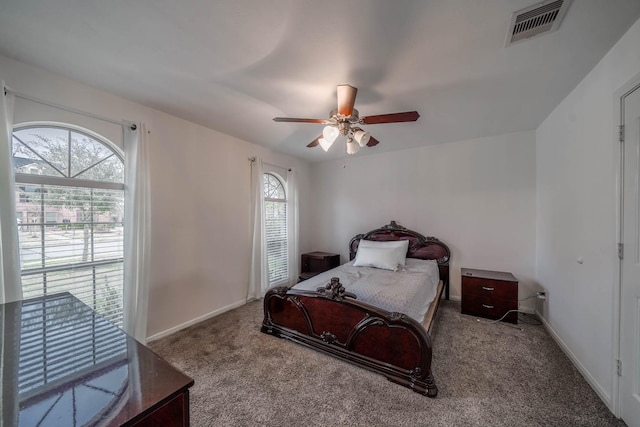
<point>331,321</point>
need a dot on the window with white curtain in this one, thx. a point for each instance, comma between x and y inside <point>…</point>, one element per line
<point>70,200</point>
<point>275,223</point>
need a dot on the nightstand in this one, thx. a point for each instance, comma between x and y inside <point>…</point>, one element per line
<point>317,262</point>
<point>489,294</point>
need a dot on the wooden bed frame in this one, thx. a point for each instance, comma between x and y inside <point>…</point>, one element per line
<point>334,322</point>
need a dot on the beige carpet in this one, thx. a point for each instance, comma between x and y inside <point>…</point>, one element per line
<point>487,375</point>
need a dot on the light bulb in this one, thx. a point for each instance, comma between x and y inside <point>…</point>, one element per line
<point>352,146</point>
<point>362,137</point>
<point>330,133</point>
<point>325,144</point>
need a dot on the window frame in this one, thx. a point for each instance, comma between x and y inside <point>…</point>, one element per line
<point>26,179</point>
<point>280,278</point>
<point>36,179</point>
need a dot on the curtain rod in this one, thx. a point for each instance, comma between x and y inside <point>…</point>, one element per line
<point>131,125</point>
<point>253,159</point>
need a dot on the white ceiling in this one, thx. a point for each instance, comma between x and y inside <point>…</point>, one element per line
<point>233,65</point>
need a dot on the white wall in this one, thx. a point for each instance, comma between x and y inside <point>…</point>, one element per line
<point>577,155</point>
<point>478,196</point>
<point>200,195</point>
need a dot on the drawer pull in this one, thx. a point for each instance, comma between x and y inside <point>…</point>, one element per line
<point>487,288</point>
<point>487,306</point>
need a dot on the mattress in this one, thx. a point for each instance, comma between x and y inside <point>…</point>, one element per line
<point>410,290</point>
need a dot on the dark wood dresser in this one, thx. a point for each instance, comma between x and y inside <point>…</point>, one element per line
<point>65,365</point>
<point>317,262</point>
<point>489,294</point>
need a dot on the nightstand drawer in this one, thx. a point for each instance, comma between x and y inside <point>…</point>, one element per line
<point>494,288</point>
<point>489,307</point>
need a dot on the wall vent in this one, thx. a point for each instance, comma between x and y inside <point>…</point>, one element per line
<point>538,19</point>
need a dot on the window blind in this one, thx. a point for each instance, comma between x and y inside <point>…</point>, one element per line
<point>276,237</point>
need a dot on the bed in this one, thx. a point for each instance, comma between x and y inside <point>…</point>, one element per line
<point>335,319</point>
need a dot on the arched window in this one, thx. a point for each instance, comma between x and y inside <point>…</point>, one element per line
<point>275,223</point>
<point>70,208</point>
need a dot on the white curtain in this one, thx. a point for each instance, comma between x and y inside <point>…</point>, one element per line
<point>258,275</point>
<point>137,232</point>
<point>10,283</point>
<point>292,226</point>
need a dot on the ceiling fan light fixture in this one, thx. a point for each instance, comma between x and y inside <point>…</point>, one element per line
<point>345,120</point>
<point>352,146</point>
<point>361,137</point>
<point>325,144</point>
<point>330,133</point>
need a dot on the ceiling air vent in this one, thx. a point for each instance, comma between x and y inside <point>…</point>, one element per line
<point>538,19</point>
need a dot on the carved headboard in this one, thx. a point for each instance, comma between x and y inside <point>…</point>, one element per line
<point>419,246</point>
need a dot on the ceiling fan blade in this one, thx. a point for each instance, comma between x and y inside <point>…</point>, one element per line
<point>314,142</point>
<point>295,120</point>
<point>346,99</point>
<point>372,142</point>
<point>408,116</point>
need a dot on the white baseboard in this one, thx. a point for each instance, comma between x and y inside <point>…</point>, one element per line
<point>606,398</point>
<point>196,320</point>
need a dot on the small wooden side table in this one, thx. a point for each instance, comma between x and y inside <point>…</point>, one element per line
<point>317,262</point>
<point>489,294</point>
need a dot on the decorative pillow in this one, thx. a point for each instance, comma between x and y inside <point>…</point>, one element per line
<point>401,245</point>
<point>384,255</point>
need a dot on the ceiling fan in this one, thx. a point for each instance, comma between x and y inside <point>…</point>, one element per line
<point>345,120</point>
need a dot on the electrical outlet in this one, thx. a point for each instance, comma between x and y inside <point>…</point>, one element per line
<point>542,295</point>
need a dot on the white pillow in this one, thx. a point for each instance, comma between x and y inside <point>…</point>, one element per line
<point>384,255</point>
<point>401,245</point>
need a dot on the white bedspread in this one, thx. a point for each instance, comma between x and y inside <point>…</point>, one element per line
<point>409,290</point>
